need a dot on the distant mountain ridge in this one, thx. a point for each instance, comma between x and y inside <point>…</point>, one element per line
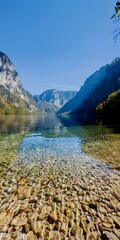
<point>94,91</point>
<point>55,98</point>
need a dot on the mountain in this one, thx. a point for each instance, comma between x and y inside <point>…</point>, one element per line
<point>53,99</point>
<point>13,97</point>
<point>90,84</point>
<point>94,91</point>
<point>108,111</point>
<point>15,100</point>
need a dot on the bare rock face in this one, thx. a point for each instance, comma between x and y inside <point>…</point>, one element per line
<point>9,78</point>
<point>11,87</point>
<point>54,99</point>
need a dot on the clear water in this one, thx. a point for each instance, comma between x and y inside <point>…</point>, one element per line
<point>36,150</point>
<point>49,139</point>
<point>51,147</point>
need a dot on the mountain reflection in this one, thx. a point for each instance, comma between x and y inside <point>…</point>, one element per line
<point>58,123</point>
<point>28,123</point>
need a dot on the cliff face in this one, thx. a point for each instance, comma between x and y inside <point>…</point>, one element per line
<point>13,97</point>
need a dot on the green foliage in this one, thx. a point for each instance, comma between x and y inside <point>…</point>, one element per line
<point>10,104</point>
<point>117,11</point>
<point>116,20</point>
<point>108,112</point>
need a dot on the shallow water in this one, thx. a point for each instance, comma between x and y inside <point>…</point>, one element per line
<point>46,138</point>
<point>37,149</point>
<point>58,179</point>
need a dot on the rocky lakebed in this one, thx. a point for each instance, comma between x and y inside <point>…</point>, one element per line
<point>52,190</point>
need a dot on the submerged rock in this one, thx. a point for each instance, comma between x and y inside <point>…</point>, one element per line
<point>110,236</point>
<point>19,220</point>
<point>24,192</point>
<point>72,199</point>
<point>30,236</point>
<point>53,216</point>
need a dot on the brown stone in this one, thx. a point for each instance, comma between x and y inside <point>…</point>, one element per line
<point>102,210</point>
<point>92,211</point>
<point>6,220</point>
<point>26,228</point>
<point>19,220</point>
<point>53,216</point>
<point>107,225</point>
<point>33,199</point>
<point>75,231</point>
<point>70,205</point>
<point>36,227</point>
<point>57,199</point>
<point>62,236</point>
<point>22,180</point>
<point>110,235</point>
<point>85,207</point>
<point>2,216</point>
<point>42,216</point>
<point>117,221</point>
<point>24,192</point>
<point>75,188</point>
<point>63,228</point>
<point>30,236</point>
<point>117,232</point>
<point>45,211</point>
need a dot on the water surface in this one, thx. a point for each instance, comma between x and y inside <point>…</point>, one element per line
<point>50,138</point>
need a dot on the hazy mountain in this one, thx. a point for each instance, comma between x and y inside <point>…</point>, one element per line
<point>53,99</point>
<point>94,91</point>
<point>13,97</point>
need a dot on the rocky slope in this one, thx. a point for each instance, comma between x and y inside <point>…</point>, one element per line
<point>52,100</point>
<point>94,91</point>
<point>13,97</point>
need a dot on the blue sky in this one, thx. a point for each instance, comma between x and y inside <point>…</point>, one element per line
<point>57,43</point>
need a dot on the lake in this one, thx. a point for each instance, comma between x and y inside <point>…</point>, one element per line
<point>59,179</point>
